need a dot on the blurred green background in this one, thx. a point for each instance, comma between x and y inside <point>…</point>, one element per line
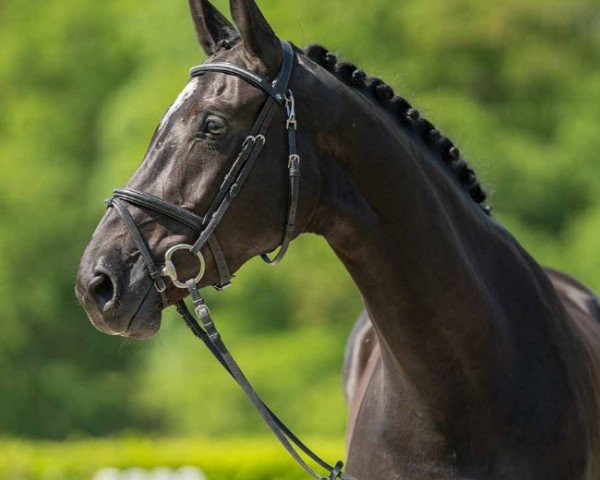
<point>516,84</point>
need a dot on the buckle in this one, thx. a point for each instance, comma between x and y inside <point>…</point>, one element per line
<point>294,165</point>
<point>254,139</point>
<point>160,285</point>
<point>291,121</point>
<point>200,309</point>
<point>290,108</point>
<point>170,271</point>
<point>294,161</point>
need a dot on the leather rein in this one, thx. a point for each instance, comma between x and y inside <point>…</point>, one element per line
<point>278,95</point>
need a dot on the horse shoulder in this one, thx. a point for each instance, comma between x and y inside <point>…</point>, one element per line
<point>359,348</point>
<point>583,307</point>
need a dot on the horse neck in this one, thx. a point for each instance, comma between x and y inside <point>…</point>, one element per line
<point>440,280</point>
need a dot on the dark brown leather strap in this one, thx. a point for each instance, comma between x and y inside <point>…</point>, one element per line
<point>211,337</point>
<point>278,94</point>
<point>257,143</point>
<point>294,174</point>
<point>250,77</point>
<point>141,245</point>
<point>276,89</point>
<point>190,219</point>
<point>221,264</point>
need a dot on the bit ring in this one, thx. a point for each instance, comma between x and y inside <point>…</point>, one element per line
<point>170,271</point>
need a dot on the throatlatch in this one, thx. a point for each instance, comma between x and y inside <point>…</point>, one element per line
<point>278,95</point>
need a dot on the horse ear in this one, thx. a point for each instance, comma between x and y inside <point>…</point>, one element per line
<point>211,26</point>
<point>259,39</point>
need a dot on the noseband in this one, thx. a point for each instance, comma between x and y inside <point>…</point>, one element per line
<point>278,95</point>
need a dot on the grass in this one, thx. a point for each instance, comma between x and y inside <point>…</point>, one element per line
<point>220,459</point>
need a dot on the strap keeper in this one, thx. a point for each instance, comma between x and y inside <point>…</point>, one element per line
<point>220,288</point>
<point>155,274</point>
<point>234,190</point>
<point>229,179</point>
<point>336,472</point>
<point>294,164</point>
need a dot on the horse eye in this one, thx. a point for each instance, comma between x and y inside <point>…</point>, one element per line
<point>213,126</point>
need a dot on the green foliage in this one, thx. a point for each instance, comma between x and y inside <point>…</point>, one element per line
<point>516,84</point>
<point>233,459</point>
<point>183,385</point>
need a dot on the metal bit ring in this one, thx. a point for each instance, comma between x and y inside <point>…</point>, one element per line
<point>170,271</point>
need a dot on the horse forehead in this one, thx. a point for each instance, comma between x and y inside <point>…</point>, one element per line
<point>224,92</point>
<point>185,94</point>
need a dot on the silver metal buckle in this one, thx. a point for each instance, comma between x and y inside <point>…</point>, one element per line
<point>200,309</point>
<point>254,139</point>
<point>290,107</point>
<point>160,285</point>
<point>170,271</point>
<point>294,161</point>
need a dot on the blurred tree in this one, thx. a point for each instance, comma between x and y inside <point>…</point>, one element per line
<point>60,62</point>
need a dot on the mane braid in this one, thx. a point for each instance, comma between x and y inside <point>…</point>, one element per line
<point>408,117</point>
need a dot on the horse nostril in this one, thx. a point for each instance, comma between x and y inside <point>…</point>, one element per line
<point>102,290</point>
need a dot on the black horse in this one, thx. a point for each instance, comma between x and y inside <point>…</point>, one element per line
<point>470,361</point>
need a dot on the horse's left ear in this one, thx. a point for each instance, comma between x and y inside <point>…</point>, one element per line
<point>211,26</point>
<point>259,39</point>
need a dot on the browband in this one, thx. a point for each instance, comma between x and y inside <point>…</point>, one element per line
<point>276,89</point>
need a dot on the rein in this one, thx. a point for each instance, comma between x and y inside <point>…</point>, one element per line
<point>278,95</point>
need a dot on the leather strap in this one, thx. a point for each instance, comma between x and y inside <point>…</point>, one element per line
<point>250,77</point>
<point>275,89</point>
<point>239,173</point>
<point>157,204</point>
<point>211,337</point>
<point>190,219</point>
<point>142,247</point>
<point>282,81</point>
<point>250,150</point>
<point>221,264</point>
<point>252,146</point>
<point>294,174</point>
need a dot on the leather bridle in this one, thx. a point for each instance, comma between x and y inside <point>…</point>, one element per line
<point>278,95</point>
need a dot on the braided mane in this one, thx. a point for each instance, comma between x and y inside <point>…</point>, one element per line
<point>408,117</point>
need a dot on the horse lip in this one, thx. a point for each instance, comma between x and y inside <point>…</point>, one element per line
<point>140,305</point>
<point>130,331</point>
